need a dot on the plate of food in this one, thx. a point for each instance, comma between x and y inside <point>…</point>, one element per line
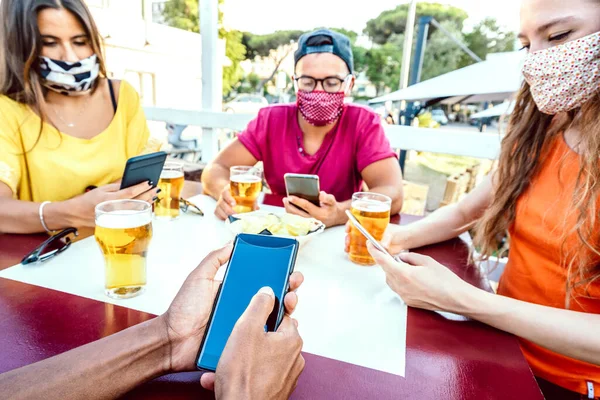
<point>284,225</point>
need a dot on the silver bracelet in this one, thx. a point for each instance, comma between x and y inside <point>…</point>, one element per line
<point>42,216</point>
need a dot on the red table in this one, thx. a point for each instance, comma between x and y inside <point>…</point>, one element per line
<point>444,359</point>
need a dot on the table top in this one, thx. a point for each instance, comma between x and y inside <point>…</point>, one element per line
<point>444,359</point>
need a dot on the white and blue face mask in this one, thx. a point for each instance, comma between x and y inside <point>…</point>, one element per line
<point>69,78</point>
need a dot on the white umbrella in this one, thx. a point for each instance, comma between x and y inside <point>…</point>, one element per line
<point>494,79</point>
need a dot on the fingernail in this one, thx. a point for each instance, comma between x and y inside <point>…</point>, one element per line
<point>149,183</point>
<point>158,191</point>
<point>154,198</point>
<point>267,290</point>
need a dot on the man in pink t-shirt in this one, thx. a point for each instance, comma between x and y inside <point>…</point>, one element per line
<point>344,144</point>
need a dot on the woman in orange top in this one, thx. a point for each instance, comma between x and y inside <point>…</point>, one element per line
<point>545,192</point>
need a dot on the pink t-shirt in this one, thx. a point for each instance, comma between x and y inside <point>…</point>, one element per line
<point>358,140</point>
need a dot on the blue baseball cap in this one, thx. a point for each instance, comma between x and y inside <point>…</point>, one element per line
<point>325,41</point>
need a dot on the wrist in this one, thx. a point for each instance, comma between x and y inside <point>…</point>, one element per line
<point>58,215</point>
<point>340,211</point>
<point>402,237</point>
<point>160,333</point>
<point>231,391</point>
<point>473,302</point>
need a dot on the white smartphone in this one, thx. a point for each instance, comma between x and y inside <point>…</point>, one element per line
<point>366,233</point>
<point>304,186</point>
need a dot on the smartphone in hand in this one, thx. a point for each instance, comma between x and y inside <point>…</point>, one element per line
<point>256,261</point>
<point>144,168</point>
<point>303,186</point>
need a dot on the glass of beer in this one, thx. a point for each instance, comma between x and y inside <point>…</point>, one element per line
<point>373,212</point>
<point>124,231</point>
<point>171,185</point>
<point>246,185</point>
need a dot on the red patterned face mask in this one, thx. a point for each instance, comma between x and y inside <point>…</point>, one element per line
<point>320,108</point>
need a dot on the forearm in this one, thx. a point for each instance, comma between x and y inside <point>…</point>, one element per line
<point>444,224</point>
<point>214,178</point>
<point>104,369</point>
<point>23,217</point>
<point>570,333</point>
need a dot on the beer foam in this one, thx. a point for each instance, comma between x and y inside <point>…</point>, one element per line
<point>123,219</point>
<point>367,205</point>
<point>245,178</point>
<point>171,174</point>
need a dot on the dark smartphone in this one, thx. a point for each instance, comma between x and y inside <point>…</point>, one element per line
<point>256,261</point>
<point>145,168</point>
<point>303,186</point>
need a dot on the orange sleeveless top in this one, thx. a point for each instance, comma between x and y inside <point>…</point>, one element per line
<point>534,272</point>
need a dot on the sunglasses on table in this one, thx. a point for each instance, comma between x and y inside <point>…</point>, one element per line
<point>186,205</point>
<point>51,247</point>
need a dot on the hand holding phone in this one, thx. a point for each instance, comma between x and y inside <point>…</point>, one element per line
<point>272,361</point>
<point>144,168</point>
<point>303,186</point>
<point>256,261</point>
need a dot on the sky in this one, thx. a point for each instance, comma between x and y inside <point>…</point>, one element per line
<point>266,16</point>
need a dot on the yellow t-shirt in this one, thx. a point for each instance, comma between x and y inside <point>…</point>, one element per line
<point>60,166</point>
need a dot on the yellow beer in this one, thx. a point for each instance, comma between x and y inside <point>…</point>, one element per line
<point>246,185</point>
<point>123,232</point>
<point>170,185</point>
<point>373,212</point>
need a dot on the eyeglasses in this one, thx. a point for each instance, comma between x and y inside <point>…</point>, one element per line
<point>52,247</point>
<point>331,84</point>
<point>186,206</point>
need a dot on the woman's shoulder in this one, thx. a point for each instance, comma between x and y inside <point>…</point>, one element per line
<point>123,90</point>
<point>9,105</point>
<point>13,114</point>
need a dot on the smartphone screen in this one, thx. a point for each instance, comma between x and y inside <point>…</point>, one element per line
<point>304,186</point>
<point>256,261</point>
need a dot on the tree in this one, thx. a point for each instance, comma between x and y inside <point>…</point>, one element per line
<point>383,64</point>
<point>488,37</point>
<point>442,55</point>
<point>391,22</point>
<point>275,46</point>
<point>184,14</point>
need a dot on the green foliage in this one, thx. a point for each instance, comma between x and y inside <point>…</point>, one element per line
<point>442,55</point>
<point>383,65</point>
<point>487,37</point>
<point>392,22</point>
<point>184,14</point>
<point>261,45</point>
<point>249,84</point>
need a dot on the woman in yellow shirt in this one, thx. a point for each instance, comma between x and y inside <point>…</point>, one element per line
<point>64,127</point>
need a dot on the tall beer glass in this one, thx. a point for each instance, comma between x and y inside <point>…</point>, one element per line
<point>246,185</point>
<point>171,185</point>
<point>373,212</point>
<point>124,231</point>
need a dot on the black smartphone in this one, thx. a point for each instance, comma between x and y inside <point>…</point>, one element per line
<point>303,186</point>
<point>144,168</point>
<point>256,261</point>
